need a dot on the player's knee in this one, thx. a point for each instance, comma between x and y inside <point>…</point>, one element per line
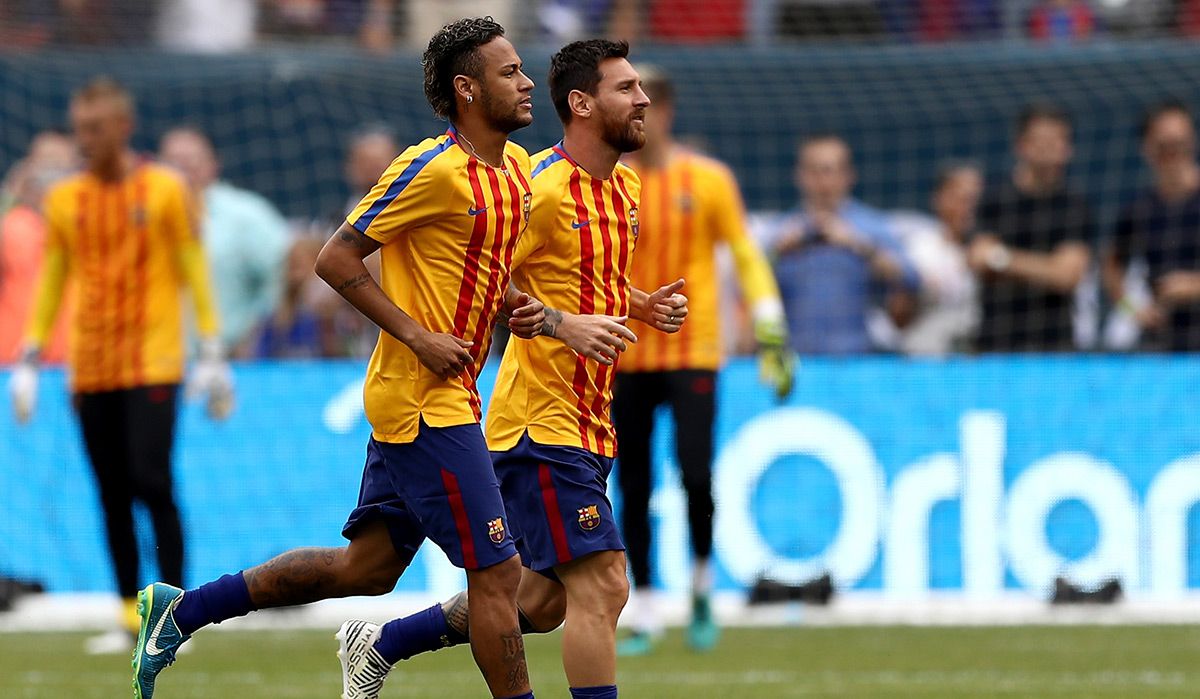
<point>496,582</point>
<point>365,575</point>
<point>604,588</point>
<point>544,614</point>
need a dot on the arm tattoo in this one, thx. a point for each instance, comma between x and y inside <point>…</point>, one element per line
<point>550,326</point>
<point>354,239</point>
<point>354,283</point>
<point>296,577</point>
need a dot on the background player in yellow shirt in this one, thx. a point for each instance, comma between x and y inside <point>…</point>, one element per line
<point>690,205</point>
<point>548,424</point>
<point>446,217</point>
<point>123,231</point>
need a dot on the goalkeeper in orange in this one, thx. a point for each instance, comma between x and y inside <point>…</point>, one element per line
<point>123,231</point>
<point>689,205</point>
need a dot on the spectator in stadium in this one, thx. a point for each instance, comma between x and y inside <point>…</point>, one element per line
<point>835,256</point>
<point>123,232</point>
<point>1161,227</point>
<point>1032,249</point>
<point>947,311</point>
<point>1061,20</point>
<point>300,324</point>
<point>370,149</point>
<point>245,237</point>
<point>690,206</point>
<point>52,156</point>
<point>207,26</point>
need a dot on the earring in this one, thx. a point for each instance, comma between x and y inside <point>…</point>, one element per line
<point>470,99</point>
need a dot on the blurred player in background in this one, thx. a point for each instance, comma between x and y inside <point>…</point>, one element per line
<point>245,237</point>
<point>548,426</point>
<point>124,233</point>
<point>690,205</point>
<point>445,217</point>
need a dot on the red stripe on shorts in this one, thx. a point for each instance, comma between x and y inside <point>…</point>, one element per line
<point>553,515</point>
<point>454,495</point>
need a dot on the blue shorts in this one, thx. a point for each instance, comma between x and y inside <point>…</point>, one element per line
<point>440,486</point>
<point>557,502</point>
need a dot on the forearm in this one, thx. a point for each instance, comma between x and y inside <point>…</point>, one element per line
<point>348,275</point>
<point>49,297</point>
<point>639,305</point>
<point>754,274</point>
<point>195,274</point>
<point>1052,272</point>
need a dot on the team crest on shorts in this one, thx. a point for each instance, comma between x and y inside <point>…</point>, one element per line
<point>496,530</point>
<point>589,517</point>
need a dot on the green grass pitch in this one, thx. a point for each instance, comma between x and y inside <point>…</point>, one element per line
<point>1056,662</point>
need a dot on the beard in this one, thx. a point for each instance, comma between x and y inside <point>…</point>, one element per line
<point>623,135</point>
<point>505,116</point>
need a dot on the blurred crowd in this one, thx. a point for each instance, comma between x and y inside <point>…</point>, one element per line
<point>381,26</point>
<point>1007,266</point>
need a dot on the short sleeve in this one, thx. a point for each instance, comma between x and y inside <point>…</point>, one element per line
<point>405,197</point>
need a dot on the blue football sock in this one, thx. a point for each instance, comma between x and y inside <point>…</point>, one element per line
<point>523,696</point>
<point>419,633</point>
<point>606,692</point>
<point>214,602</point>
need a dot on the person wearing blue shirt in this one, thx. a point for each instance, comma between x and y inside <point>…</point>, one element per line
<point>245,238</point>
<point>836,258</point>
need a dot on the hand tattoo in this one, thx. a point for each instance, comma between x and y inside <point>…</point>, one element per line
<point>550,325</point>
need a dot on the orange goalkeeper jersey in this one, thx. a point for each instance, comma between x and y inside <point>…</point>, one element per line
<point>121,242</point>
<point>448,225</point>
<point>688,208</point>
<point>575,257</point>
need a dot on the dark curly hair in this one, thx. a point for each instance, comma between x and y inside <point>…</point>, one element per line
<point>454,50</point>
<point>576,66</point>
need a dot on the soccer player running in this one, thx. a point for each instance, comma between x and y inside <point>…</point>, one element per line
<point>446,217</point>
<point>548,425</point>
<point>124,233</point>
<point>690,206</point>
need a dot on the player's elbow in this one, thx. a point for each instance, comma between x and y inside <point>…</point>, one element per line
<point>327,264</point>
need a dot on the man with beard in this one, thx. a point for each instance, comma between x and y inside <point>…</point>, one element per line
<point>446,217</point>
<point>548,426</point>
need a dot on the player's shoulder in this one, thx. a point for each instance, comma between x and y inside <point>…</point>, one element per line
<point>550,165</point>
<point>163,179</point>
<point>516,151</point>
<point>430,157</point>
<point>706,167</point>
<point>627,178</point>
<point>66,187</point>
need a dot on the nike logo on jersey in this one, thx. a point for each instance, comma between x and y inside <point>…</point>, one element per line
<point>471,211</point>
<point>152,648</point>
<point>577,224</point>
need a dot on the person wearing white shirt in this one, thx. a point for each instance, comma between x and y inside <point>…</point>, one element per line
<point>947,313</point>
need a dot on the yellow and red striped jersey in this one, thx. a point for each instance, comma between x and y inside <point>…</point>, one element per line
<point>122,243</point>
<point>688,207</point>
<point>575,257</point>
<point>448,224</point>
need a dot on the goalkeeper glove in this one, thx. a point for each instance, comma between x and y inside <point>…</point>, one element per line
<point>22,386</point>
<point>212,378</point>
<point>776,363</point>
